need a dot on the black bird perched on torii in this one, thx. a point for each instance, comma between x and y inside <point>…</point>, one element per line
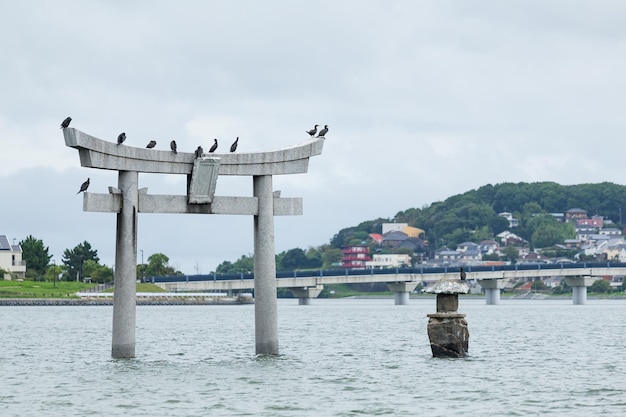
<point>214,147</point>
<point>151,144</point>
<point>323,132</point>
<point>65,123</point>
<point>233,147</point>
<point>173,146</point>
<point>121,138</point>
<point>198,153</point>
<point>84,186</point>
<point>462,274</point>
<point>313,131</point>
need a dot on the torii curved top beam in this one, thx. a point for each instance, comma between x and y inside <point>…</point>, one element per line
<point>98,153</point>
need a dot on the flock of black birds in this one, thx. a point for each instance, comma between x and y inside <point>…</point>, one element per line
<point>321,134</point>
<point>197,153</point>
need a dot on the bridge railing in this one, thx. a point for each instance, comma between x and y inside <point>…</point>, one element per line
<point>421,270</point>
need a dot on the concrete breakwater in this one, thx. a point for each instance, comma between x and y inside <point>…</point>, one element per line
<point>100,301</point>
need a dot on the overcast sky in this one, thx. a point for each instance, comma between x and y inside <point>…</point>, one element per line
<point>424,99</point>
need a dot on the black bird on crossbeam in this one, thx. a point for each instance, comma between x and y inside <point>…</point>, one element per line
<point>313,131</point>
<point>462,274</point>
<point>121,138</point>
<point>151,144</point>
<point>65,123</point>
<point>323,132</point>
<point>214,147</point>
<point>84,186</point>
<point>233,147</point>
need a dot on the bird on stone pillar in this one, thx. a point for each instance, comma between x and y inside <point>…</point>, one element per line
<point>121,138</point>
<point>462,274</point>
<point>173,146</point>
<point>66,122</point>
<point>151,144</point>
<point>214,147</point>
<point>199,152</point>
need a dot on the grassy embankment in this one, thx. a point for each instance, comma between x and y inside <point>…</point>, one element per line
<point>62,289</point>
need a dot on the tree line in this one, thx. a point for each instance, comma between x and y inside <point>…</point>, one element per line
<point>470,216</point>
<point>81,262</point>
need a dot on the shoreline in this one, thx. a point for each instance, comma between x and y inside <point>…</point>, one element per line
<point>11,302</point>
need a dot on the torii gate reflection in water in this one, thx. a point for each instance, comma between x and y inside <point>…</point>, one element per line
<point>127,201</point>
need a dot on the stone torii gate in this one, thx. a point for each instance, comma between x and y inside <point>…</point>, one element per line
<point>127,201</point>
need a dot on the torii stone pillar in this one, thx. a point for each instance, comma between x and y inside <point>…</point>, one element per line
<point>123,344</point>
<point>265,305</point>
<point>127,201</point>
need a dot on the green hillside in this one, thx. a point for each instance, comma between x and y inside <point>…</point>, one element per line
<point>472,216</point>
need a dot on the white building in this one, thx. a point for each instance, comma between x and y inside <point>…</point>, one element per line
<point>390,260</point>
<point>394,227</point>
<point>11,258</point>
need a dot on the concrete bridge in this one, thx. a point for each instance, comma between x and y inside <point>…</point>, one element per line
<point>308,284</point>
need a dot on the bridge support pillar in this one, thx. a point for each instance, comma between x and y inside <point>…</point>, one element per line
<point>579,288</point>
<point>401,291</point>
<point>305,294</point>
<point>265,304</point>
<point>124,298</point>
<point>492,289</point>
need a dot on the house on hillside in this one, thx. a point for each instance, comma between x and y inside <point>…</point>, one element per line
<point>511,239</point>
<point>559,217</point>
<point>595,221</point>
<point>417,245</point>
<point>445,255</point>
<point>11,258</point>
<point>393,227</point>
<point>513,222</point>
<point>610,231</point>
<point>377,238</point>
<point>355,256</point>
<point>616,250</point>
<point>583,233</point>
<point>488,247</point>
<point>533,258</point>
<point>572,243</point>
<point>389,260</point>
<point>574,214</point>
<point>394,238</point>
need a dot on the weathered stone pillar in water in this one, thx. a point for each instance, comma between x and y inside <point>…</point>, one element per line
<point>124,298</point>
<point>265,302</point>
<point>447,329</point>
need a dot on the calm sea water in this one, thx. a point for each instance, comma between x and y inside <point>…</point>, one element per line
<point>338,358</point>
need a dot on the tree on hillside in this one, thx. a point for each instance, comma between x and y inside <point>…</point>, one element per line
<point>297,259</point>
<point>74,259</point>
<point>244,264</point>
<point>36,256</point>
<point>158,265</point>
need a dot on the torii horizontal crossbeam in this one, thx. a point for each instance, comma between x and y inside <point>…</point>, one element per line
<point>98,153</point>
<point>112,203</point>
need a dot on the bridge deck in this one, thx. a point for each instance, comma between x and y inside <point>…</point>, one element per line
<point>295,279</point>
